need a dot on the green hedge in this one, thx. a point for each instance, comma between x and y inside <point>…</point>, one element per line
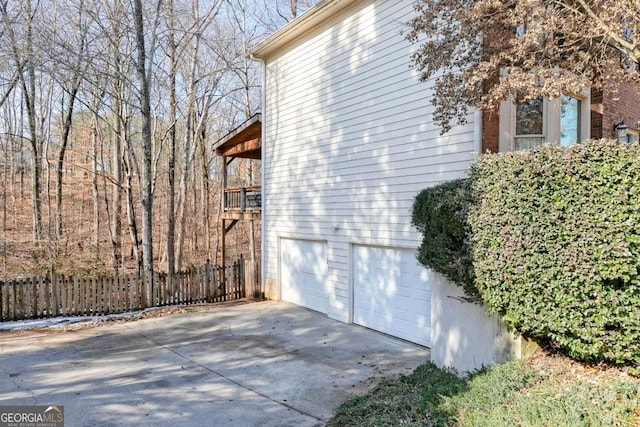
<point>555,245</point>
<point>440,214</point>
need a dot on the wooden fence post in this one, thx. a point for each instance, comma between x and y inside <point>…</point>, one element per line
<point>143,290</point>
<point>27,300</point>
<point>12,315</point>
<point>223,282</point>
<point>62,284</point>
<point>249,283</point>
<point>56,297</point>
<point>133,295</point>
<point>47,296</point>
<point>87,296</point>
<point>241,278</point>
<point>207,287</point>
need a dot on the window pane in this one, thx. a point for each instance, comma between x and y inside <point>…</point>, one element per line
<point>569,120</point>
<point>529,117</point>
<point>527,142</point>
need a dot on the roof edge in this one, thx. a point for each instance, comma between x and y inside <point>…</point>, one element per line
<point>239,129</point>
<point>313,17</point>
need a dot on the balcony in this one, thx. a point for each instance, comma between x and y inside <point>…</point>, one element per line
<point>239,201</point>
<point>242,203</point>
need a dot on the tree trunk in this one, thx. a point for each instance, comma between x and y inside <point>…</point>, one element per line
<point>189,154</point>
<point>182,194</point>
<point>131,216</point>
<point>204,189</point>
<point>171,259</point>
<point>145,111</point>
<point>66,129</point>
<point>94,180</point>
<point>116,238</point>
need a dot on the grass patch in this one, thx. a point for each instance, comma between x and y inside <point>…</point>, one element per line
<point>545,391</point>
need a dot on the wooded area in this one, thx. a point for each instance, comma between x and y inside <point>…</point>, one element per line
<point>108,111</point>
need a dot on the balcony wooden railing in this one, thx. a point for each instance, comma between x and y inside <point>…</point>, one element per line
<point>244,199</point>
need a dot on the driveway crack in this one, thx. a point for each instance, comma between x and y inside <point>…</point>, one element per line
<point>221,375</point>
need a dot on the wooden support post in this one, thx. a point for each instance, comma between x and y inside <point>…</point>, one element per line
<point>223,184</point>
<point>222,243</point>
<point>239,279</point>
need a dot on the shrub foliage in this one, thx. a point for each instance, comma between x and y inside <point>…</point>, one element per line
<point>440,214</point>
<point>554,245</point>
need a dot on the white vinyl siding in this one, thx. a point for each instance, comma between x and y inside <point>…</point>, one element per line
<point>349,142</point>
<point>303,272</point>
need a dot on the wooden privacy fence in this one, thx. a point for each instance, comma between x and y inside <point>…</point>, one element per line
<point>56,295</point>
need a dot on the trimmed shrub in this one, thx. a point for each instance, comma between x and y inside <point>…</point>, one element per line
<point>440,214</point>
<point>549,239</point>
<point>555,235</point>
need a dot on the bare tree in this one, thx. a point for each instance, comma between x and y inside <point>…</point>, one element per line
<point>245,72</point>
<point>202,76</point>
<point>70,72</point>
<point>103,87</point>
<point>171,173</point>
<point>147,155</point>
<point>23,55</point>
<point>110,67</point>
<point>96,101</point>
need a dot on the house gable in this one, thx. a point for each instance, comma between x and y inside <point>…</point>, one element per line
<point>349,140</point>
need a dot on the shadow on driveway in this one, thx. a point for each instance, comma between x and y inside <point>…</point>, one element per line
<point>262,364</point>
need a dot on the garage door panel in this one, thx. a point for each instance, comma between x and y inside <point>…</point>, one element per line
<point>405,305</point>
<point>303,273</point>
<point>392,292</point>
<point>382,315</point>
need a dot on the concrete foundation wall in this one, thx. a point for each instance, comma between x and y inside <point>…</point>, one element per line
<point>463,336</point>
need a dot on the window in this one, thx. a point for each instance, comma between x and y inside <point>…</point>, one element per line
<point>569,120</point>
<point>531,123</point>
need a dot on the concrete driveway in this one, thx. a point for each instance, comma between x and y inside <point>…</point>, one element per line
<point>262,363</point>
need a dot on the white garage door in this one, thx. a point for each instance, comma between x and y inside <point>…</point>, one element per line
<point>392,293</point>
<point>303,273</point>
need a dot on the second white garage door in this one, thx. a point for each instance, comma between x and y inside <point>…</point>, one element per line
<point>392,293</point>
<point>303,273</point>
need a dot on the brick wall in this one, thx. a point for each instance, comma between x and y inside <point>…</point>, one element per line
<point>616,107</point>
<point>490,131</point>
<point>597,114</point>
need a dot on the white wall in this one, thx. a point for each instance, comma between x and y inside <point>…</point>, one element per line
<point>349,141</point>
<point>462,335</point>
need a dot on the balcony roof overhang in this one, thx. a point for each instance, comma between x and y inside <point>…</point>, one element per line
<point>244,141</point>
